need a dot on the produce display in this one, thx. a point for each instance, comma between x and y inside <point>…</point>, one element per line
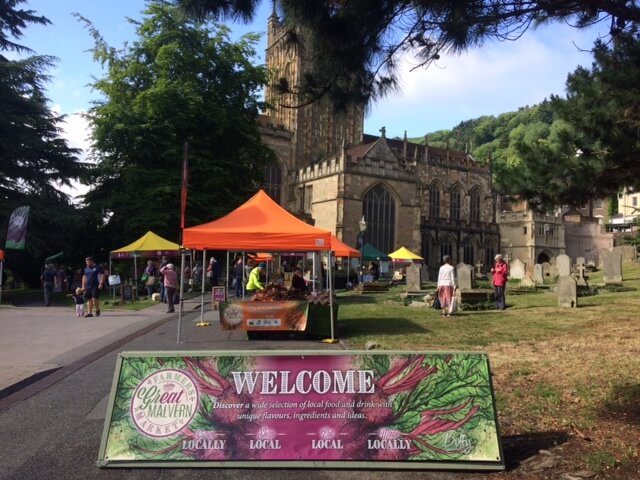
<point>274,292</point>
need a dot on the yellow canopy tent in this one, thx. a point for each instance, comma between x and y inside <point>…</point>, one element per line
<point>404,253</point>
<point>148,245</point>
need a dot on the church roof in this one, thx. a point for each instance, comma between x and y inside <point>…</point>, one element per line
<point>360,151</point>
<point>416,149</point>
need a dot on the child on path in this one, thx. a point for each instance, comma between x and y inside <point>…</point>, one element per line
<point>78,299</point>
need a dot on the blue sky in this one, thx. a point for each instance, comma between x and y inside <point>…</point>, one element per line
<point>496,78</point>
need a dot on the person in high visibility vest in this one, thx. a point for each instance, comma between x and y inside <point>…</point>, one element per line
<point>254,284</point>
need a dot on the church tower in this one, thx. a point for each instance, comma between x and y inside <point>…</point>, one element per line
<point>317,130</point>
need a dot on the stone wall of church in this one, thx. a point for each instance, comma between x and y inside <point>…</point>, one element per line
<point>465,180</point>
<point>407,207</point>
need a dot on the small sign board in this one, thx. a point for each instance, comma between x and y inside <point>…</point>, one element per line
<point>126,293</point>
<point>311,409</point>
<point>219,294</point>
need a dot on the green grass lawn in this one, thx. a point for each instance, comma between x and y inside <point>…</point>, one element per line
<point>557,372</point>
<point>529,317</point>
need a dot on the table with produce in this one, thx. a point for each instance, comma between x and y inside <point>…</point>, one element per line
<point>278,309</point>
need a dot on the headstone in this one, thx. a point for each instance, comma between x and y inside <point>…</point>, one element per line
<point>628,252</point>
<point>581,267</point>
<point>567,292</point>
<point>546,267</point>
<point>553,270</point>
<point>424,274</point>
<point>517,269</point>
<point>413,278</point>
<point>464,274</point>
<point>527,281</point>
<point>612,270</point>
<point>538,277</point>
<point>563,263</point>
<point>602,254</point>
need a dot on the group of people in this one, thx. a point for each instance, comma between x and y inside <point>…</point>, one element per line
<point>256,278</point>
<point>447,284</point>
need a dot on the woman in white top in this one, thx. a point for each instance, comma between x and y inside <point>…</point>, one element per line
<point>446,284</point>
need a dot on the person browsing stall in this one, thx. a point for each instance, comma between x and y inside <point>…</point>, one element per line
<point>297,281</point>
<point>170,284</point>
<point>254,284</point>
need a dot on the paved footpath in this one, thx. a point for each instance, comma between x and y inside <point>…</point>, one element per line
<point>51,428</point>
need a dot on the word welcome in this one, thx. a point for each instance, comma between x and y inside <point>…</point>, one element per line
<point>272,382</point>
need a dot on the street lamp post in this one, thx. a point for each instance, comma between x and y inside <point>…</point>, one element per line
<point>360,244</point>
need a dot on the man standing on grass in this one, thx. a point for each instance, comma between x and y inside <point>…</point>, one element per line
<point>500,274</point>
<point>92,282</point>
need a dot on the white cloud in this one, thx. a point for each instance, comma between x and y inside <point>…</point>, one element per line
<point>76,131</point>
<point>490,80</point>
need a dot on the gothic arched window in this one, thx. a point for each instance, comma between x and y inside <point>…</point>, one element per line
<point>474,206</point>
<point>273,181</point>
<point>434,201</point>
<point>468,253</point>
<point>455,204</point>
<point>379,211</point>
<point>446,248</point>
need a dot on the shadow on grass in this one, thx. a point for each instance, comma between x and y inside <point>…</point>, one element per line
<point>518,448</point>
<point>356,299</point>
<point>386,326</point>
<point>622,403</point>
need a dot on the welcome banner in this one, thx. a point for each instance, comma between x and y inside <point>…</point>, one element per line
<point>311,409</point>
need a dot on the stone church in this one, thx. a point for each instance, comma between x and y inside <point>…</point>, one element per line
<point>433,201</point>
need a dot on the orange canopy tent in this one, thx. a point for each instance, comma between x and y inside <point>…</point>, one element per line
<point>341,249</point>
<point>260,224</point>
<point>261,257</point>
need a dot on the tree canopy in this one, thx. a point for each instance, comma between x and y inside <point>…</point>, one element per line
<point>355,45</point>
<point>35,160</point>
<point>180,81</point>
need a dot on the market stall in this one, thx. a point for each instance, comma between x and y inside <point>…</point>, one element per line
<point>341,249</point>
<point>402,258</point>
<point>261,225</point>
<point>150,245</point>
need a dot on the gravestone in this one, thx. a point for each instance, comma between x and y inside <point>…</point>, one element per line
<point>517,269</point>
<point>602,254</point>
<point>424,274</point>
<point>478,268</point>
<point>413,278</point>
<point>580,269</point>
<point>553,270</point>
<point>527,282</point>
<point>464,274</point>
<point>546,268</point>
<point>612,270</point>
<point>567,292</point>
<point>628,252</point>
<point>538,277</point>
<point>563,262</point>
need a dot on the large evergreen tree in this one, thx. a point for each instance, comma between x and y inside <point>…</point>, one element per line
<point>180,80</point>
<point>35,161</point>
